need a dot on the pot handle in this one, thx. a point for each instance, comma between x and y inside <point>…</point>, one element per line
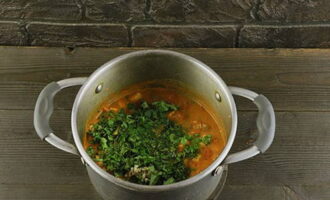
<point>265,125</point>
<point>44,109</point>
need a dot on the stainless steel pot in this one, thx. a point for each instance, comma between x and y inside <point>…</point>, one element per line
<point>143,66</point>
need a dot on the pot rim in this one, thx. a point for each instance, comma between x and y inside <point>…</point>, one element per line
<point>153,188</point>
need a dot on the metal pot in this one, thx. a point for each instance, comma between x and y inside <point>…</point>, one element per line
<point>150,65</point>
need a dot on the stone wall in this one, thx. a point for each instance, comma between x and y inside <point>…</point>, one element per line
<point>166,23</point>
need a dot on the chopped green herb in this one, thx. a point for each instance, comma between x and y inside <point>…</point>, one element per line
<point>142,147</point>
<point>90,151</point>
<point>169,181</point>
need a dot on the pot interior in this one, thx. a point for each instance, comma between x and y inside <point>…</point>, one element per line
<point>152,65</point>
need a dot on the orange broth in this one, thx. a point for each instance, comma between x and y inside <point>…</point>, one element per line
<point>193,114</point>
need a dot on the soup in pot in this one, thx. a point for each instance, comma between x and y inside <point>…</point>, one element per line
<point>154,133</point>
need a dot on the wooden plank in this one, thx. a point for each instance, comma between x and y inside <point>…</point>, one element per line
<point>319,192</point>
<point>293,79</point>
<point>25,159</point>
<point>296,81</point>
<point>252,192</point>
<point>299,154</point>
<point>79,191</point>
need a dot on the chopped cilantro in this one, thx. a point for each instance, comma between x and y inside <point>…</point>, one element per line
<point>142,147</point>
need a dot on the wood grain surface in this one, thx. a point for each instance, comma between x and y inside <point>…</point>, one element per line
<point>297,166</point>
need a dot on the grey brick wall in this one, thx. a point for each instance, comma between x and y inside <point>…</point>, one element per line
<point>166,23</point>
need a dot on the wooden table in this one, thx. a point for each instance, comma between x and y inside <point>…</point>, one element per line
<point>297,166</point>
